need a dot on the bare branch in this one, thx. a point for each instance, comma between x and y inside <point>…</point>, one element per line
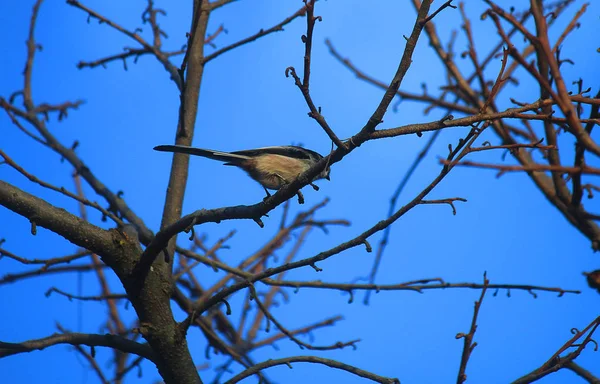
<point>59,221</point>
<point>62,190</point>
<point>47,262</point>
<point>518,168</point>
<point>416,286</point>
<point>154,49</point>
<point>92,340</point>
<point>582,372</point>
<point>263,32</point>
<point>285,331</point>
<point>469,345</point>
<point>557,362</point>
<point>311,359</point>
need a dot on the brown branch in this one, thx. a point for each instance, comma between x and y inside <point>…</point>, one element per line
<point>573,24</point>
<point>111,296</point>
<point>551,119</point>
<point>499,80</point>
<point>532,168</point>
<point>478,72</point>
<point>11,278</point>
<point>92,340</point>
<point>377,116</point>
<point>47,262</point>
<point>115,200</point>
<point>90,357</point>
<point>219,3</point>
<point>462,85</point>
<point>135,363</point>
<point>561,96</point>
<point>512,147</point>
<point>263,32</point>
<point>228,213</point>
<point>270,296</point>
<point>45,109</point>
<point>138,52</point>
<point>31,48</point>
<point>450,201</point>
<point>193,66</point>
<point>580,158</point>
<point>571,343</point>
<point>469,345</point>
<point>269,341</point>
<point>16,122</point>
<point>311,359</point>
<point>303,85</point>
<point>440,9</point>
<point>93,363</point>
<point>62,190</point>
<point>285,331</point>
<point>563,100</point>
<point>250,263</point>
<point>214,341</point>
<point>392,208</point>
<point>129,52</point>
<point>208,253</point>
<point>402,94</point>
<point>416,286</point>
<point>556,362</point>
<point>113,312</point>
<point>553,156</point>
<point>210,38</point>
<point>582,372</point>
<point>154,49</point>
<point>149,16</point>
<point>462,122</point>
<point>60,222</point>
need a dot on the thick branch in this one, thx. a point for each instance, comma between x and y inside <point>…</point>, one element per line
<point>187,120</point>
<point>114,199</point>
<point>77,231</point>
<point>92,340</point>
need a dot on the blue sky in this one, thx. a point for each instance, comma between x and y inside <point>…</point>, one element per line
<point>506,228</point>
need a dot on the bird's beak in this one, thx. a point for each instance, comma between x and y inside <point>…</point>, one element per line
<point>327,178</point>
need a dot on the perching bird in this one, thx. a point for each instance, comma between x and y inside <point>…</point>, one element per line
<point>272,167</point>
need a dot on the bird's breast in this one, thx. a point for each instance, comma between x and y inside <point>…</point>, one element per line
<point>274,171</point>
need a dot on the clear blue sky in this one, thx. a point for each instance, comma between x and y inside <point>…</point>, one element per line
<point>506,228</point>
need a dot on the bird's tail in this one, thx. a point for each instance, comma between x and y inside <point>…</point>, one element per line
<point>208,153</point>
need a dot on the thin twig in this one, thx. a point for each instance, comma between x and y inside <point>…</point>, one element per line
<point>469,345</point>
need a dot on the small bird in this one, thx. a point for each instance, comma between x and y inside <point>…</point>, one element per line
<point>272,167</point>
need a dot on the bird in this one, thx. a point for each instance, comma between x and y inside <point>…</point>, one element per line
<point>271,167</point>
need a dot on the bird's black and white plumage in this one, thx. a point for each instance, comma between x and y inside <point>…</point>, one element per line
<point>272,167</point>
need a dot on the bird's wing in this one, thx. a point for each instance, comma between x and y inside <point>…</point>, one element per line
<point>286,150</point>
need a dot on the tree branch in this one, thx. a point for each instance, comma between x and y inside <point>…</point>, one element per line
<point>311,359</point>
<point>92,340</point>
<point>77,231</point>
<point>263,32</point>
